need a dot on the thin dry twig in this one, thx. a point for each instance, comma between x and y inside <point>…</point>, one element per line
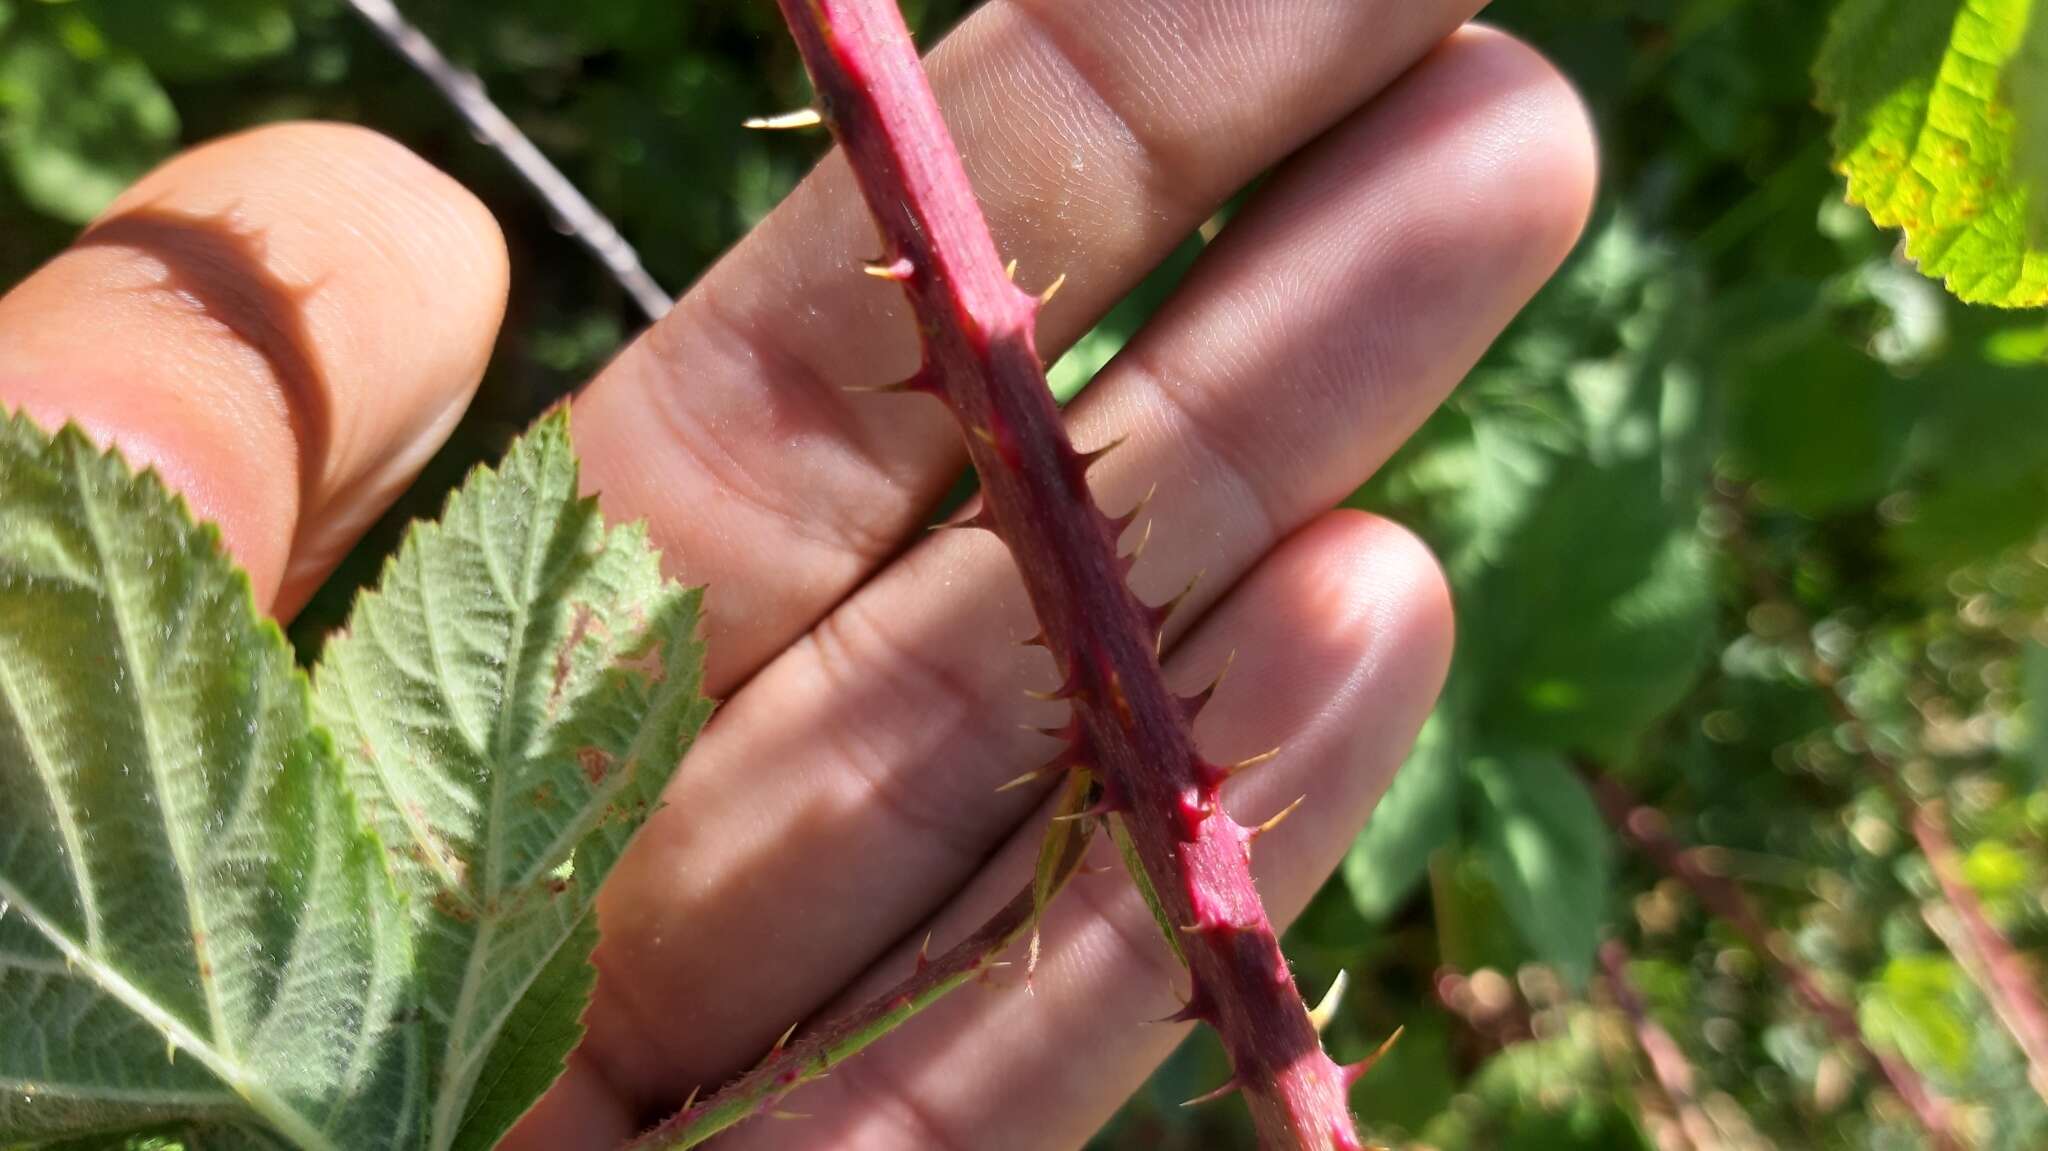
<point>572,209</point>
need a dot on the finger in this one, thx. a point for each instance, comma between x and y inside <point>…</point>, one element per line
<point>1098,133</point>
<point>1343,636</point>
<point>286,323</point>
<point>851,785</point>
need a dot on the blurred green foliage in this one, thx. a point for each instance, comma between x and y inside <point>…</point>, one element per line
<point>1738,431</point>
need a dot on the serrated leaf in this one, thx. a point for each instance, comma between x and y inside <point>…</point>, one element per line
<point>510,702</point>
<point>527,1058</point>
<point>1941,107</point>
<point>194,928</point>
<point>1417,815</point>
<point>81,121</point>
<point>1548,853</point>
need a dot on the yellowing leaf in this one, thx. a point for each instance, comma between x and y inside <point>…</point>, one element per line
<point>1941,109</point>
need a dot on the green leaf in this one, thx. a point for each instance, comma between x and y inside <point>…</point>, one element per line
<point>81,120</point>
<point>196,39</point>
<point>1417,815</point>
<point>1919,1006</point>
<point>1591,617</point>
<point>194,928</point>
<point>1820,426</point>
<point>1548,853</point>
<point>510,702</point>
<point>527,1058</point>
<point>1561,488</point>
<point>1933,100</point>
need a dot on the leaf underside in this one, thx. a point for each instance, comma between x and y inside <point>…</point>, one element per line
<point>194,927</point>
<point>222,926</point>
<point>510,703</point>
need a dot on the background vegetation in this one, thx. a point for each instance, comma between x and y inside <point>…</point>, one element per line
<point>1744,515</point>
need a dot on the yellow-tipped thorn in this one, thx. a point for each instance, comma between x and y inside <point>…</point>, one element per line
<point>895,271</point>
<point>1247,764</point>
<point>1090,459</point>
<point>1229,1086</point>
<point>787,121</point>
<point>1144,501</point>
<point>1025,780</point>
<point>1277,820</point>
<point>1326,1011</point>
<point>1010,270</point>
<point>1144,538</point>
<point>894,387</point>
<point>1356,1071</point>
<point>779,1113</point>
<point>984,435</point>
<point>1052,289</point>
<point>691,1101</point>
<point>784,1041</point>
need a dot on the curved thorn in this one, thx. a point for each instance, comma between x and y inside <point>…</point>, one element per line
<point>1010,270</point>
<point>1229,1085</point>
<point>1052,289</point>
<point>1356,1071</point>
<point>786,121</point>
<point>1231,771</point>
<point>1325,1011</point>
<point>1090,458</point>
<point>916,383</point>
<point>896,271</point>
<point>1277,820</point>
<point>1025,780</point>
<point>1138,550</point>
<point>1192,705</point>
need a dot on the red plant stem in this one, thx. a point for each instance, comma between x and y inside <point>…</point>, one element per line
<point>1673,1071</point>
<point>1987,957</point>
<point>1646,829</point>
<point>981,360</point>
<point>1984,951</point>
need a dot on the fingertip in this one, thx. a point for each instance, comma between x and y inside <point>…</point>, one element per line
<point>285,322</point>
<point>1543,138</point>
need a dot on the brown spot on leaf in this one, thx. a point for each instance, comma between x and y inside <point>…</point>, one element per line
<point>649,663</point>
<point>595,762</point>
<point>578,628</point>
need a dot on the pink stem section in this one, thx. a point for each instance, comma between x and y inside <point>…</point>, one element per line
<point>982,362</point>
<point>1991,960</point>
<point>1673,1071</point>
<point>1645,828</point>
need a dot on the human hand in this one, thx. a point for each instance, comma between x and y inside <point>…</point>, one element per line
<point>287,323</point>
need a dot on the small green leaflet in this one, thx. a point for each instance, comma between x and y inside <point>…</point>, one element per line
<point>1941,127</point>
<point>510,702</point>
<point>225,927</point>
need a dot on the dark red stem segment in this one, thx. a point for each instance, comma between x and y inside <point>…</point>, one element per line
<point>982,362</point>
<point>1646,830</point>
